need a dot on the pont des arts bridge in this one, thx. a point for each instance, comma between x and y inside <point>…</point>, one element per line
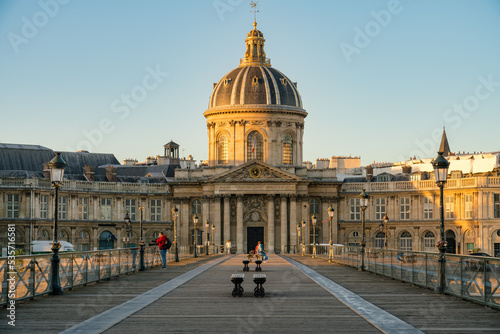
<point>289,290</point>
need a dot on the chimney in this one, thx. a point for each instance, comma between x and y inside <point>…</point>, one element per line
<point>111,173</point>
<point>369,172</point>
<point>89,172</point>
<point>46,170</point>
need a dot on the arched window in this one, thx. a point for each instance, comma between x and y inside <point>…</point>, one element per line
<point>287,149</point>
<point>222,154</point>
<point>255,146</point>
<point>429,242</point>
<point>196,206</point>
<point>380,240</point>
<point>405,241</point>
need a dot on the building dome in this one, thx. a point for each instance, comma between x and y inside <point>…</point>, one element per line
<point>255,82</point>
<point>255,113</point>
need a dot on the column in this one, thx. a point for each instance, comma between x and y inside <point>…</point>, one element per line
<point>239,224</point>
<point>270,224</point>
<point>335,223</point>
<point>227,219</point>
<point>184,222</point>
<point>215,218</point>
<point>293,221</point>
<point>324,220</point>
<point>205,212</point>
<point>284,224</point>
<point>120,211</point>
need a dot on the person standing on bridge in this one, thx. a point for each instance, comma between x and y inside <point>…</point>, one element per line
<point>162,245</point>
<point>228,246</point>
<point>259,249</point>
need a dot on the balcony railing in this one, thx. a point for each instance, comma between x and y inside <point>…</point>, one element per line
<point>73,185</point>
<point>420,185</point>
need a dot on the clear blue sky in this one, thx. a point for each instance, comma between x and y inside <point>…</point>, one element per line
<point>377,78</point>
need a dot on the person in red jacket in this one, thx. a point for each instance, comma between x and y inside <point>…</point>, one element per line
<point>161,242</point>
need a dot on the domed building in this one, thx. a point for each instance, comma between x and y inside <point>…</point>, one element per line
<point>255,113</point>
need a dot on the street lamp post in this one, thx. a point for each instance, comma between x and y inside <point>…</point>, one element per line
<point>303,237</point>
<point>142,266</point>
<point>213,232</point>
<point>331,210</point>
<point>175,215</point>
<point>363,203</point>
<point>57,166</point>
<point>440,166</point>
<point>207,225</point>
<point>314,220</point>
<point>195,221</point>
<point>298,236</point>
<point>384,228</point>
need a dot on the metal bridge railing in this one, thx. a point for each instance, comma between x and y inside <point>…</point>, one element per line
<point>28,276</point>
<point>475,278</point>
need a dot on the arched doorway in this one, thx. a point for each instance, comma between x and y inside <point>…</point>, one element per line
<point>450,238</point>
<point>496,243</point>
<point>106,240</point>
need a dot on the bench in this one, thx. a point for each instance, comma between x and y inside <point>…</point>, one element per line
<point>259,279</point>
<point>258,263</point>
<point>245,263</point>
<point>237,279</point>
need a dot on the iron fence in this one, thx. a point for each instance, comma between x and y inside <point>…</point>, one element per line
<point>475,278</point>
<point>29,276</point>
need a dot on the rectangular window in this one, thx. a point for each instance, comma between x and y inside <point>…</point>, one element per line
<point>106,208</point>
<point>496,199</point>
<point>156,210</point>
<point>470,247</point>
<point>130,208</point>
<point>355,209</point>
<point>404,208</point>
<point>468,206</point>
<point>12,206</point>
<point>428,208</point>
<point>83,208</point>
<point>44,206</point>
<point>379,208</point>
<point>449,207</point>
<point>62,207</point>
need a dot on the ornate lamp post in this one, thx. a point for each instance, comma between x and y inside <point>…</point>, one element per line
<point>213,232</point>
<point>303,237</point>
<point>175,215</point>
<point>384,228</point>
<point>142,267</point>
<point>298,236</point>
<point>331,210</point>
<point>128,229</point>
<point>441,171</point>
<point>57,166</point>
<point>195,221</point>
<point>314,220</point>
<point>207,225</point>
<point>363,203</point>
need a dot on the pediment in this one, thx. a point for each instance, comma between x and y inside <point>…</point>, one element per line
<point>255,171</point>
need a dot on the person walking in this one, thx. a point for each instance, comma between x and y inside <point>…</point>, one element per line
<point>162,245</point>
<point>228,246</point>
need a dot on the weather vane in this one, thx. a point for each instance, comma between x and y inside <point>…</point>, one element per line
<point>254,5</point>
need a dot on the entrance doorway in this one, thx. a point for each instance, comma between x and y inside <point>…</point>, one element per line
<point>254,234</point>
<point>451,241</point>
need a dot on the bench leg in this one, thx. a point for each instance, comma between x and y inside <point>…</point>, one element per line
<point>259,290</point>
<point>258,267</point>
<point>246,268</point>
<point>238,289</point>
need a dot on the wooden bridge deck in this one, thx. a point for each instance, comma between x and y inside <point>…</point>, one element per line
<point>195,296</point>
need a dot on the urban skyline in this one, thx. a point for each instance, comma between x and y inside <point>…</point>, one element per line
<point>379,79</point>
